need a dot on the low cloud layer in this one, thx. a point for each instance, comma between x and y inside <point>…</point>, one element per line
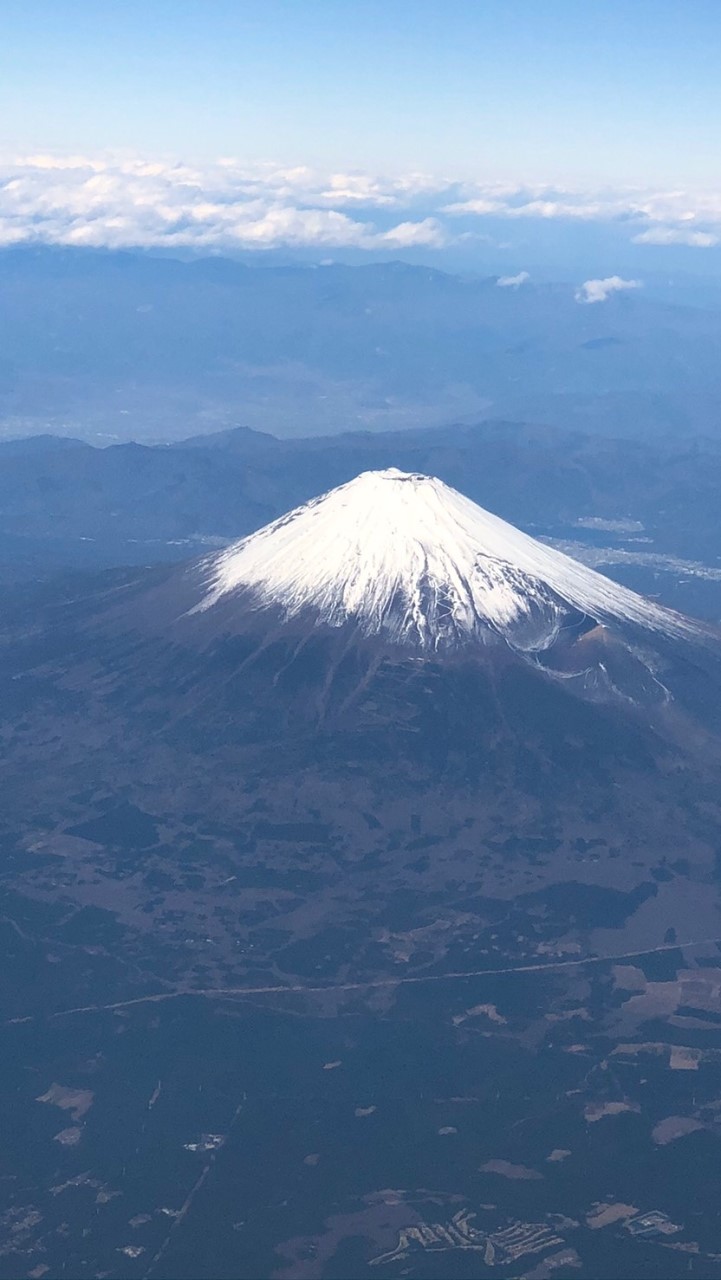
<point>131,203</point>
<point>135,202</point>
<point>600,290</point>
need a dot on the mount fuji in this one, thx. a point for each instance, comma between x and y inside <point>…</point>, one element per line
<point>387,711</point>
<point>408,558</point>
<point>398,572</point>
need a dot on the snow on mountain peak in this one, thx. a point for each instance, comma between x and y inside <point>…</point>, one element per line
<point>407,557</point>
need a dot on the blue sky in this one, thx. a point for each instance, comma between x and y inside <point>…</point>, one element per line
<point>512,90</point>
<point>500,134</point>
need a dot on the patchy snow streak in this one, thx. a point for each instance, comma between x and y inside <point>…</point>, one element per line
<point>408,557</point>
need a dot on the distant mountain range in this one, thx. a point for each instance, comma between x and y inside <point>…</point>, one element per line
<point>120,346</point>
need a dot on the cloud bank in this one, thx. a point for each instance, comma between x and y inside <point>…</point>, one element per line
<point>135,203</point>
<point>128,202</point>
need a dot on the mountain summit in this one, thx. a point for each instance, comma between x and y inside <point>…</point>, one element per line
<point>407,558</point>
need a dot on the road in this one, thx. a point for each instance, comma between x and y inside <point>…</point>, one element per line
<point>367,984</point>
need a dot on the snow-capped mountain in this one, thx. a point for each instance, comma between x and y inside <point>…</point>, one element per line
<point>406,558</point>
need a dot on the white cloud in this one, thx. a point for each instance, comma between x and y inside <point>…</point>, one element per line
<point>543,203</point>
<point>429,232</point>
<point>129,200</point>
<point>678,235</point>
<point>482,207</point>
<point>658,217</point>
<point>512,282</point>
<point>600,290</point>
<point>133,202</point>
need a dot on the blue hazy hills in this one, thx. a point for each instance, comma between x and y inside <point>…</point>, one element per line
<point>118,346</point>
